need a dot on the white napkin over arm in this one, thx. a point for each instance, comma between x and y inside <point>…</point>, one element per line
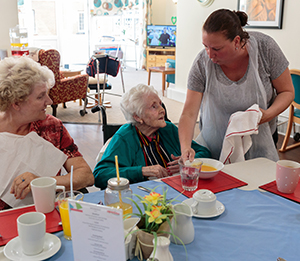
<point>237,139</point>
<point>29,153</point>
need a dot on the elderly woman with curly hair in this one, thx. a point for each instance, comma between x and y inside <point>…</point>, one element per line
<point>24,86</point>
<point>147,146</point>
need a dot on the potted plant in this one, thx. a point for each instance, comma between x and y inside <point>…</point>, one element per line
<point>155,220</point>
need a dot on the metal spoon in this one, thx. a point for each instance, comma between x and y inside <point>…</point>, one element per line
<point>148,190</point>
<point>144,189</point>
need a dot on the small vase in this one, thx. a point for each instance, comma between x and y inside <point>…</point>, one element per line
<point>145,240</point>
<point>162,250</point>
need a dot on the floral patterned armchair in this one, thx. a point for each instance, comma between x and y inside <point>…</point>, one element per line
<point>65,89</point>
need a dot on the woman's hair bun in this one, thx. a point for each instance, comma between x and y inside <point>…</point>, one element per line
<point>242,16</point>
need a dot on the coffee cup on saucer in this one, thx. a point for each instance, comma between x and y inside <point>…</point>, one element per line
<point>32,231</point>
<point>204,202</point>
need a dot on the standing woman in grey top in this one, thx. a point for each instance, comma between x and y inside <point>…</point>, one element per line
<point>236,70</point>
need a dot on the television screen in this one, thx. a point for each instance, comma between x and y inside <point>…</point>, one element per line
<point>161,35</point>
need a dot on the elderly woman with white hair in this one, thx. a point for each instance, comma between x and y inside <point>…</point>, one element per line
<point>147,146</point>
<point>24,87</point>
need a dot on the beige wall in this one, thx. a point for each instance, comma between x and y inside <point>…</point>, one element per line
<point>8,19</point>
<point>191,16</point>
<point>162,12</point>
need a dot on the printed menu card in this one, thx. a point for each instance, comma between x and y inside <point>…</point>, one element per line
<point>97,231</point>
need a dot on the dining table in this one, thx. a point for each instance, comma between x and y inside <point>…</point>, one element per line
<point>256,224</point>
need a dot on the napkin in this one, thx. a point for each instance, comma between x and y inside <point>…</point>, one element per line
<point>237,139</point>
<point>29,153</point>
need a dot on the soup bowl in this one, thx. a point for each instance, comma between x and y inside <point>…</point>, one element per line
<point>210,168</point>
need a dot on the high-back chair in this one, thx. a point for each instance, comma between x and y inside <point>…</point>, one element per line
<point>65,89</point>
<point>170,77</point>
<point>294,115</point>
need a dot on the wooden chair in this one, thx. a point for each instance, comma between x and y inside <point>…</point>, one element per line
<point>65,89</point>
<point>294,115</point>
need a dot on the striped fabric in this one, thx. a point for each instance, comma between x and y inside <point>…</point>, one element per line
<point>153,149</point>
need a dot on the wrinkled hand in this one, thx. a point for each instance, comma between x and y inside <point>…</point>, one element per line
<point>155,171</point>
<point>21,185</point>
<point>188,154</point>
<point>173,166</point>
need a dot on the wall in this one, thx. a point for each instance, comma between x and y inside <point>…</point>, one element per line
<point>8,19</point>
<point>162,12</point>
<point>190,18</point>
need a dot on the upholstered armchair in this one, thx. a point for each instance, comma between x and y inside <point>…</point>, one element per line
<point>65,89</point>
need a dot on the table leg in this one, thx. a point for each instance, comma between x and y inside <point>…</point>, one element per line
<point>149,75</point>
<point>163,83</point>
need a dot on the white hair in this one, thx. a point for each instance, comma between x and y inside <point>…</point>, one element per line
<point>133,101</point>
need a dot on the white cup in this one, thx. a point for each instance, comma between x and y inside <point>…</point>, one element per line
<point>167,65</point>
<point>287,176</point>
<point>204,202</point>
<point>43,191</point>
<point>130,242</point>
<point>32,230</point>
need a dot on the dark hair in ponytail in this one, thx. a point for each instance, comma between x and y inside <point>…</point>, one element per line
<point>228,22</point>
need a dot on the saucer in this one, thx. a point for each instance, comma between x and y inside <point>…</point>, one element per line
<point>13,249</point>
<point>220,208</point>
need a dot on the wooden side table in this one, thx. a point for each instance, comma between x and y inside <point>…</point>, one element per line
<point>164,72</point>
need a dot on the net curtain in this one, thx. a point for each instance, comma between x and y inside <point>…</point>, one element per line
<point>116,7</point>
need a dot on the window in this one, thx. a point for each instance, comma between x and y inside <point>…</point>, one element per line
<point>81,22</point>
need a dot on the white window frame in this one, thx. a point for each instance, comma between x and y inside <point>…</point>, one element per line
<point>81,22</point>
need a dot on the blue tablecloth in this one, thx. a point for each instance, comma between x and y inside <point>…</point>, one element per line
<point>255,226</point>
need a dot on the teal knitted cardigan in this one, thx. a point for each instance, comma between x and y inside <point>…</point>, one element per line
<point>125,143</point>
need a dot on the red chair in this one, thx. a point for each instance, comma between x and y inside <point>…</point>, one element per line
<point>65,89</point>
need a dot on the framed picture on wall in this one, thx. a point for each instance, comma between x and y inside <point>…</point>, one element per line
<point>263,13</point>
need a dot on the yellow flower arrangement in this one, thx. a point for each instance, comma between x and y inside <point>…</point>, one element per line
<point>157,209</point>
<point>156,217</point>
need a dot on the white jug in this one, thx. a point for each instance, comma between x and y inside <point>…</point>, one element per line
<point>183,226</point>
<point>162,250</point>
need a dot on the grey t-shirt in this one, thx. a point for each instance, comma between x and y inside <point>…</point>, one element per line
<point>271,64</point>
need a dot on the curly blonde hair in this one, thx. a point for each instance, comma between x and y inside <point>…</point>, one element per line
<point>18,76</point>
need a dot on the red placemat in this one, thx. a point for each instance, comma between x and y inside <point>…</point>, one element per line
<point>8,222</point>
<point>272,187</point>
<point>219,183</point>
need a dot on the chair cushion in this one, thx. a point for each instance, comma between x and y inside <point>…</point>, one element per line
<point>297,113</point>
<point>171,77</point>
<point>171,62</point>
<point>93,80</point>
<point>93,83</point>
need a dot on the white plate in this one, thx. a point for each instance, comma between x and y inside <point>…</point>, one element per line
<point>13,249</point>
<point>220,208</point>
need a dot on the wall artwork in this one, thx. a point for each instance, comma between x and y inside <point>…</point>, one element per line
<point>263,13</point>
